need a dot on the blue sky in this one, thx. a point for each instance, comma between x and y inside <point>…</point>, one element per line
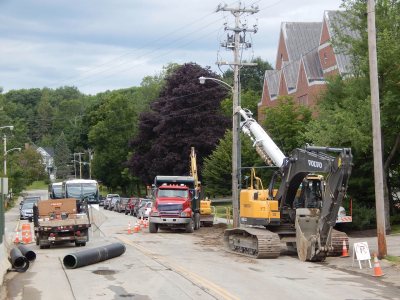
<point>99,45</point>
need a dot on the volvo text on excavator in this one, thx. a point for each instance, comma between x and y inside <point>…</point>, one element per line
<point>305,223</point>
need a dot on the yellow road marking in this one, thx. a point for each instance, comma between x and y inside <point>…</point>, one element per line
<point>195,278</point>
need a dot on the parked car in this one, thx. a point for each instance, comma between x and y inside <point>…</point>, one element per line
<point>29,199</point>
<point>101,200</point>
<point>141,202</point>
<point>130,206</point>
<point>121,204</point>
<point>107,201</point>
<point>144,210</point>
<point>26,212</point>
<point>113,202</point>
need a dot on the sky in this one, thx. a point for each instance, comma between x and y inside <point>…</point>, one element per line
<point>99,45</point>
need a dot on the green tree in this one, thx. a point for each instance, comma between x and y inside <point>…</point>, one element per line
<point>110,136</point>
<point>62,157</point>
<point>25,168</point>
<point>286,122</point>
<point>347,119</point>
<point>217,169</point>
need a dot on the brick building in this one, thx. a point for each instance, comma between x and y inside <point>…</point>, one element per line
<point>305,58</point>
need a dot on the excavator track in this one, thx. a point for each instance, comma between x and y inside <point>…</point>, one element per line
<point>253,242</point>
<point>337,242</point>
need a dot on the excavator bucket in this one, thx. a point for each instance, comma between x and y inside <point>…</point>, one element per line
<point>307,234</point>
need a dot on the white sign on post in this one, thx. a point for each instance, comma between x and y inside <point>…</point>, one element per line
<point>361,252</point>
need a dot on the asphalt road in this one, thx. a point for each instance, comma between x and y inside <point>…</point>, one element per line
<point>176,265</point>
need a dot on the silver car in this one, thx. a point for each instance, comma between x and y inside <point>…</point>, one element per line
<point>144,211</point>
<point>26,212</point>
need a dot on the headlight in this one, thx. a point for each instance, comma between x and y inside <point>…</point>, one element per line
<point>187,213</point>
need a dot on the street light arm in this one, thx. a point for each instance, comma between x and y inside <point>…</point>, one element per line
<point>12,149</point>
<point>203,79</point>
<point>10,127</point>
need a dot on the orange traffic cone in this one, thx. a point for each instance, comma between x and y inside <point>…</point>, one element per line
<point>345,253</point>
<point>16,239</point>
<point>377,267</point>
<point>129,228</point>
<point>136,229</point>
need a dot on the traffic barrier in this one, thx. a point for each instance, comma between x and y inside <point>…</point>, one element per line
<point>26,233</point>
<point>129,228</point>
<point>377,267</point>
<point>345,253</point>
<point>16,239</point>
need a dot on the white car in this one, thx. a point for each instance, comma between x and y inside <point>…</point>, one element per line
<point>145,210</point>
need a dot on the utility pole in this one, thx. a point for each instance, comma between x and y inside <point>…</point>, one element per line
<point>90,163</point>
<point>234,43</point>
<point>80,165</point>
<point>376,131</point>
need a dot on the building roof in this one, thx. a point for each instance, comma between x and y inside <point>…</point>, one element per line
<point>336,20</point>
<point>312,66</point>
<point>300,37</point>
<point>271,78</point>
<point>291,71</point>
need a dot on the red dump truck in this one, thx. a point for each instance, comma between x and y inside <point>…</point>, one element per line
<point>176,204</point>
<point>61,220</point>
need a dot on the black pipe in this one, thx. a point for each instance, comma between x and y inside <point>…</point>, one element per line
<point>28,253</point>
<point>91,256</point>
<point>19,262</point>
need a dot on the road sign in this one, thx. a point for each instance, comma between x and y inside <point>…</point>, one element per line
<point>361,253</point>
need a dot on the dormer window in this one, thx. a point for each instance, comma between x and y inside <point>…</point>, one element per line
<point>325,58</point>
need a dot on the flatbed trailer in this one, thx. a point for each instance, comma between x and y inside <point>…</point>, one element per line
<point>57,221</point>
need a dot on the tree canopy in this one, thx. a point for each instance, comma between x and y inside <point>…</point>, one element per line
<point>186,114</point>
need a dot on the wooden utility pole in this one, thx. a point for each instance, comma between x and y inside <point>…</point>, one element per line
<point>235,43</point>
<point>376,131</point>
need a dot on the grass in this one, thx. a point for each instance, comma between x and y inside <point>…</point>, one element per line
<point>37,185</point>
<point>393,259</point>
<point>395,228</point>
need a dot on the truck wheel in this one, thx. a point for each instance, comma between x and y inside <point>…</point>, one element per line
<point>190,226</point>
<point>196,221</point>
<point>153,227</point>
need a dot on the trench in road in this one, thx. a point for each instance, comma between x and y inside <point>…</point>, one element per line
<point>201,282</point>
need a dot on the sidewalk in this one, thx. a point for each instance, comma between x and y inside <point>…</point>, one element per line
<point>351,266</point>
<point>346,264</point>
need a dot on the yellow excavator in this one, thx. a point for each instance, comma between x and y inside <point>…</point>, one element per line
<point>299,212</point>
<point>206,215</point>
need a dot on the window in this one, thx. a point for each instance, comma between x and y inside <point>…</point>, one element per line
<point>303,100</point>
<point>325,58</point>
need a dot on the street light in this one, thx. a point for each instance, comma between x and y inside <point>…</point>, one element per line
<point>236,159</point>
<point>4,182</point>
<point>5,154</point>
<point>203,79</point>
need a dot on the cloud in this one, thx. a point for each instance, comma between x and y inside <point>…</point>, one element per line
<point>99,45</point>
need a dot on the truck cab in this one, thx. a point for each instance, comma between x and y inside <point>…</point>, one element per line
<point>176,204</point>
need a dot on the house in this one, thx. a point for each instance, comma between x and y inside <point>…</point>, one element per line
<point>305,59</point>
<point>47,160</point>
